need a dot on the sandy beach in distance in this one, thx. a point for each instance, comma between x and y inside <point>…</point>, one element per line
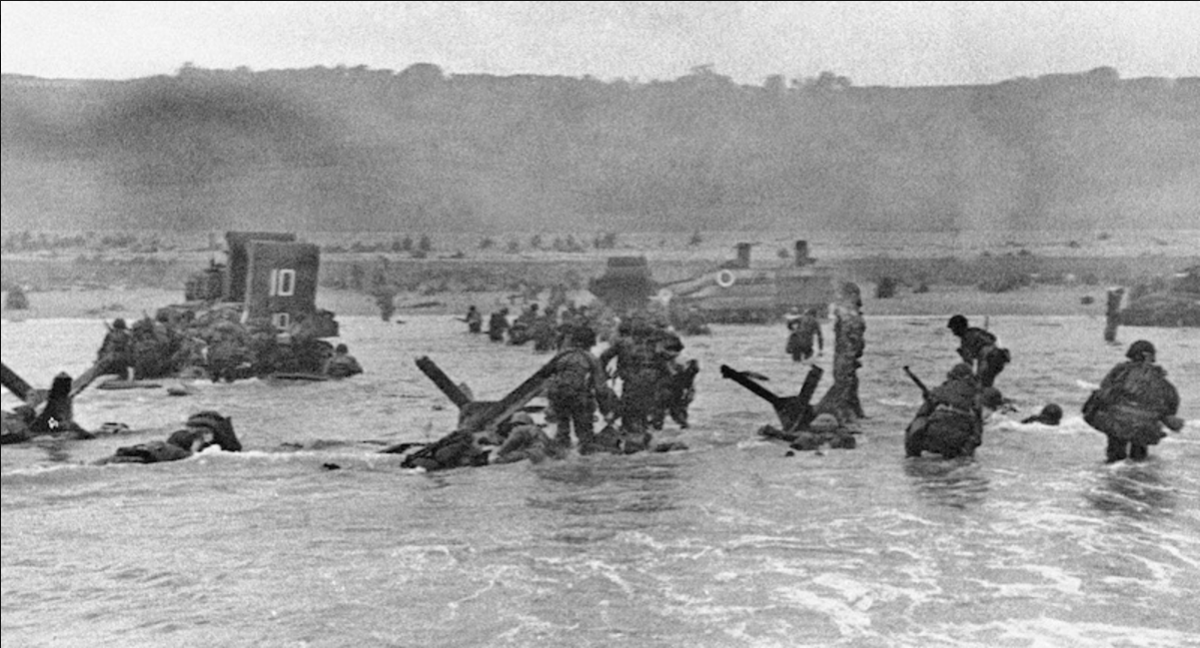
<point>110,303</point>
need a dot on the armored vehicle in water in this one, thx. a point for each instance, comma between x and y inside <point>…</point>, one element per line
<point>741,292</point>
<point>626,283</point>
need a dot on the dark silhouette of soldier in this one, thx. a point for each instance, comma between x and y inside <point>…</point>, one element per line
<point>802,331</point>
<point>1134,402</point>
<point>979,349</point>
<point>498,325</point>
<point>575,387</point>
<point>474,320</point>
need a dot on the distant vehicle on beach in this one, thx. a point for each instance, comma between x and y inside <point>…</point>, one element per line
<point>1175,304</point>
<point>738,292</point>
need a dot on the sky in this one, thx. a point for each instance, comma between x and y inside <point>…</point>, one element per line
<point>871,43</point>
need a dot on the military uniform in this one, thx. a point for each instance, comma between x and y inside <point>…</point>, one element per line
<point>116,351</point>
<point>849,330</point>
<point>949,422</point>
<point>800,339</point>
<point>474,320</point>
<point>1133,403</point>
<point>342,364</point>
<point>526,440</point>
<point>203,429</point>
<point>979,348</point>
<point>498,325</point>
<point>573,387</point>
<point>639,377</point>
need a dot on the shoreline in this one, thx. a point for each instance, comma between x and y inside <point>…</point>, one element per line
<point>133,303</point>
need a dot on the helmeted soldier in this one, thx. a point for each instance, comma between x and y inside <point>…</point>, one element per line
<point>498,325</point>
<point>1134,402</point>
<point>575,388</point>
<point>950,421</point>
<point>474,320</point>
<point>980,349</point>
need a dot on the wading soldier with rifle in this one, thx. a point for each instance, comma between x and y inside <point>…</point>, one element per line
<point>950,421</point>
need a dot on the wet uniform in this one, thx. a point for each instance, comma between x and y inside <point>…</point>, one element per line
<point>639,381</point>
<point>342,366</point>
<point>578,377</point>
<point>800,340</point>
<point>116,351</point>
<point>474,320</point>
<point>526,441</point>
<point>1130,407</point>
<point>497,325</point>
<point>979,346</point>
<point>949,422</point>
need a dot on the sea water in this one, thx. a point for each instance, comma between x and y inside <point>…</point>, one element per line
<point>310,537</point>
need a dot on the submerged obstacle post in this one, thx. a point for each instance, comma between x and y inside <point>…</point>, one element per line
<point>443,382</point>
<point>1112,313</point>
<point>57,413</point>
<point>15,383</point>
<point>794,412</point>
<point>475,417</point>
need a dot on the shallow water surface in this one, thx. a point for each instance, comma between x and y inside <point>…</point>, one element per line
<point>730,543</point>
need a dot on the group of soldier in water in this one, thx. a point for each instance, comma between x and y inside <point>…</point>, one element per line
<point>1134,403</point>
<point>215,344</point>
<point>644,354</point>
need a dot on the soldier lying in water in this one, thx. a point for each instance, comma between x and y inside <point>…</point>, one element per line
<point>526,440</point>
<point>202,430</point>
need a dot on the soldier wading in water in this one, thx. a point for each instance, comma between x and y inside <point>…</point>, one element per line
<point>1134,402</point>
<point>950,421</point>
<point>576,385</point>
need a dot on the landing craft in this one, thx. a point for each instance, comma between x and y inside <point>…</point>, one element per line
<point>738,292</point>
<point>255,315</point>
<point>268,276</point>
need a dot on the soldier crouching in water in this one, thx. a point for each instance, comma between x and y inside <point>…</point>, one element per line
<point>980,348</point>
<point>950,421</point>
<point>1134,402</point>
<point>341,364</point>
<point>577,382</point>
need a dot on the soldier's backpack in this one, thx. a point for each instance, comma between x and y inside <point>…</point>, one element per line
<point>572,376</point>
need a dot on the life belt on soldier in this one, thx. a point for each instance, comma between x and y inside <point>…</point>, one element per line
<point>726,278</point>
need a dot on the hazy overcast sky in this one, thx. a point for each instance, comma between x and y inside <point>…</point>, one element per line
<point>873,43</point>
